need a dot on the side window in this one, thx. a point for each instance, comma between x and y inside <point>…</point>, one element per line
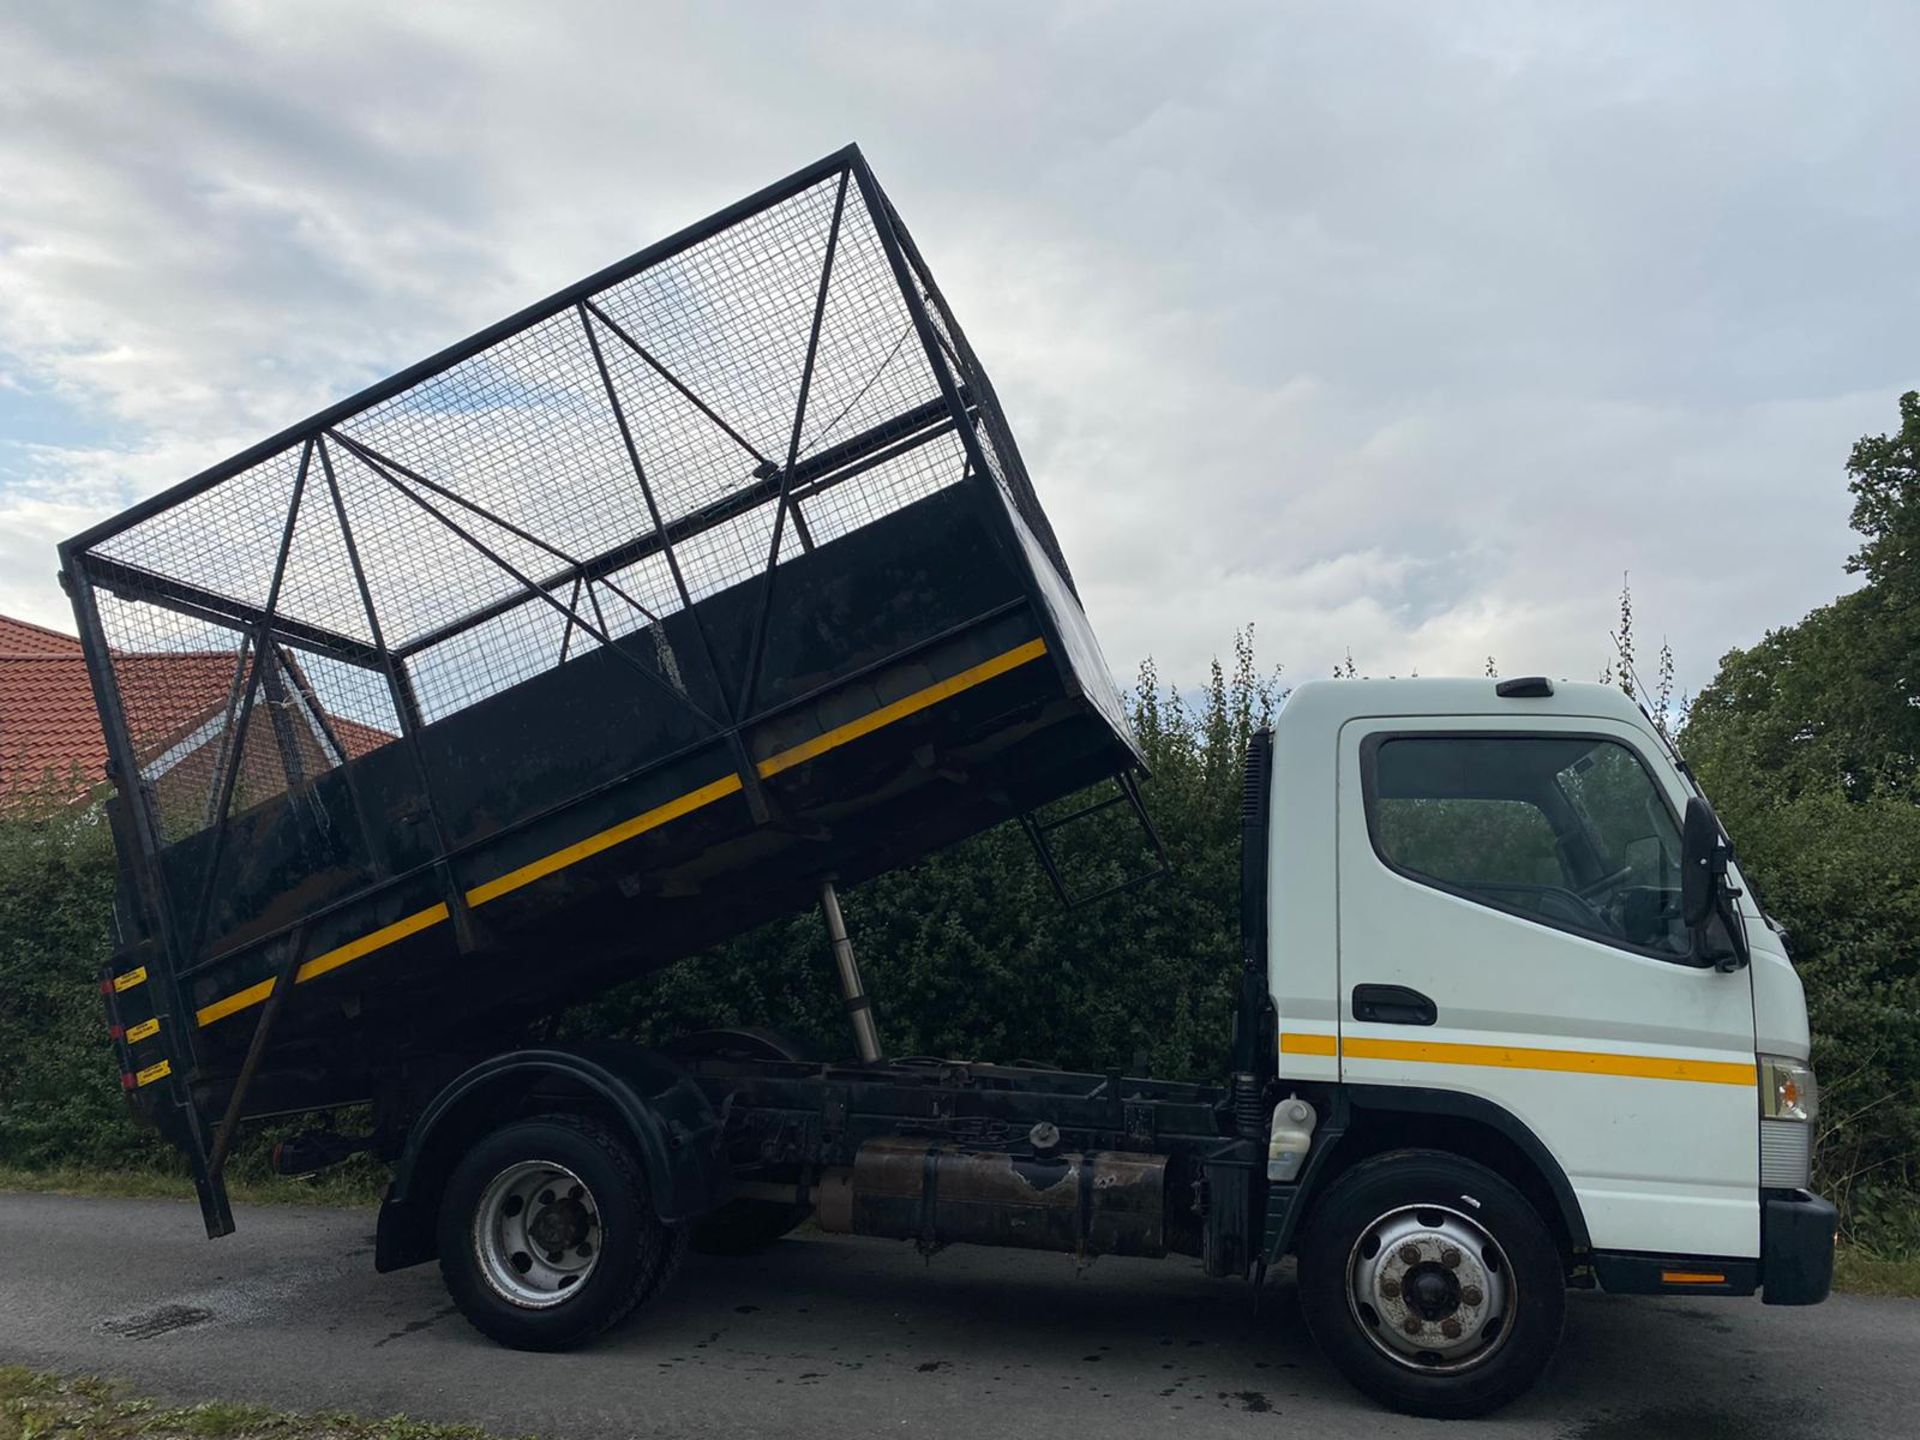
<point>1567,830</point>
<point>1469,840</point>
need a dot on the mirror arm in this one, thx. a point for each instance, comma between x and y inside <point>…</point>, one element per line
<point>1736,957</point>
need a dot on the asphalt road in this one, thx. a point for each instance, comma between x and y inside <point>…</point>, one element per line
<point>835,1337</point>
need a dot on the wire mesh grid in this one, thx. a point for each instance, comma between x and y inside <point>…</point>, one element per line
<point>998,450</point>
<point>628,450</point>
<point>841,509</point>
<point>730,317</point>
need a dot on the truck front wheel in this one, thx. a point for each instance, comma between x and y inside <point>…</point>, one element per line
<point>548,1234</point>
<point>1432,1284</point>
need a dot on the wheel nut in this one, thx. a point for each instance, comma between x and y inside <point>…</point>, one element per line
<point>554,1257</point>
<point>1410,1254</point>
<point>1450,1258</point>
<point>1412,1325</point>
<point>1390,1288</point>
<point>1470,1295</point>
<point>1450,1328</point>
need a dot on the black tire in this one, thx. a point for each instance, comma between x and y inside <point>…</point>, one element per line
<point>1416,1188</point>
<point>637,1253</point>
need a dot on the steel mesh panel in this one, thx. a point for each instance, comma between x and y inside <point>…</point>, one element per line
<point>638,594</point>
<point>283,744</point>
<point>522,431</point>
<point>318,584</point>
<point>870,366</point>
<point>878,492</point>
<point>730,316</point>
<point>423,555</point>
<point>1002,455</point>
<point>589,470</point>
<point>501,652</point>
<point>225,539</point>
<point>176,678</point>
<point>260,771</point>
<point>506,472</point>
<point>349,705</point>
<point>733,551</point>
<point>687,459</point>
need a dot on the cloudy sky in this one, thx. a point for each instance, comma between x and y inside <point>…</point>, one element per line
<point>1402,330</point>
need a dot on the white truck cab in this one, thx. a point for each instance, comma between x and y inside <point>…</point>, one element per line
<point>1481,932</point>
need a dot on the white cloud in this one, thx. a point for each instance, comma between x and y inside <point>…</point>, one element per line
<point>1399,329</point>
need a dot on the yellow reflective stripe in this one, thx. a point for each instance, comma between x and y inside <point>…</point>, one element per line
<point>900,709</point>
<point>1296,1044</point>
<point>133,977</point>
<point>627,829</point>
<point>605,840</point>
<point>239,1000</point>
<point>1574,1062</point>
<point>332,960</point>
<point>400,929</point>
<point>143,1030</point>
<point>157,1071</point>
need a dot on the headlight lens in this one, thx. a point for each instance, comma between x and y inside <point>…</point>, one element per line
<point>1788,1090</point>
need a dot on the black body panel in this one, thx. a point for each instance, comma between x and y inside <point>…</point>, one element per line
<point>1797,1232</point>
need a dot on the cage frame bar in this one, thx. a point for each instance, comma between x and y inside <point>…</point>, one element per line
<point>334,415</point>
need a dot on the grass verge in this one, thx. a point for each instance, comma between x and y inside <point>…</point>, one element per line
<point>346,1186</point>
<point>38,1406</point>
<point>1861,1274</point>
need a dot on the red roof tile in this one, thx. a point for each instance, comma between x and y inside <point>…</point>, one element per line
<point>49,728</point>
<point>47,724</point>
<point>19,637</point>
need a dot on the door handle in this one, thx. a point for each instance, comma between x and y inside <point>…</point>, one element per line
<point>1392,1005</point>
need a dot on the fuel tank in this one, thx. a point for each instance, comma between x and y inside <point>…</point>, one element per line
<point>1098,1203</point>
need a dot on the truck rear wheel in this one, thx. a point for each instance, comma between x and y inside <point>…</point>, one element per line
<point>548,1234</point>
<point>1432,1284</point>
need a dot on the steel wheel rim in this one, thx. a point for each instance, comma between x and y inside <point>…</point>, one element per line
<point>537,1234</point>
<point>1431,1289</point>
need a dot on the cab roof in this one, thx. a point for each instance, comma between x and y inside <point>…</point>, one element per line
<point>1333,702</point>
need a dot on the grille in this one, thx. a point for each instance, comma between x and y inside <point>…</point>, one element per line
<point>1786,1154</point>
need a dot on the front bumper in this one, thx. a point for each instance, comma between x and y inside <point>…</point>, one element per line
<point>1797,1229</point>
<point>1795,1265</point>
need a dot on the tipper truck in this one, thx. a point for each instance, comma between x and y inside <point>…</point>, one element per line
<point>716,582</point>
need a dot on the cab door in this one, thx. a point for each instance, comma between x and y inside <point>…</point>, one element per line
<point>1509,929</point>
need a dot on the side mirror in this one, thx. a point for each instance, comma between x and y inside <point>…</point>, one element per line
<point>1703,863</point>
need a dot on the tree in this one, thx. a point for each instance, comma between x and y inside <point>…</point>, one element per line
<point>1809,743</point>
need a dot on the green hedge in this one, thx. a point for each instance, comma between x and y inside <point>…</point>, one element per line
<point>969,954</point>
<point>60,1101</point>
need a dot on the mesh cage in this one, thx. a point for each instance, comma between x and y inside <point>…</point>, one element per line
<point>767,383</point>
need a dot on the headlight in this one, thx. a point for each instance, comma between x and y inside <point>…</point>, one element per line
<point>1788,1090</point>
